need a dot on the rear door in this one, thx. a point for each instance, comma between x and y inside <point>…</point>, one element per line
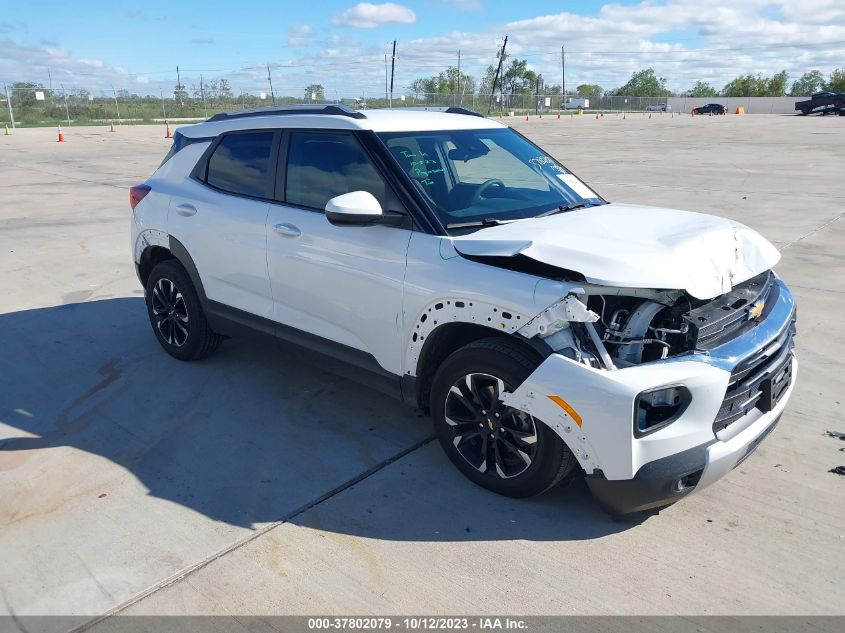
<point>220,216</point>
<point>345,283</point>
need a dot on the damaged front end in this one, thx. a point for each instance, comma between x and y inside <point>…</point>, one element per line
<point>636,378</point>
<point>615,328</point>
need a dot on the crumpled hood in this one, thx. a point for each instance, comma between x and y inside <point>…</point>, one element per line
<point>634,247</point>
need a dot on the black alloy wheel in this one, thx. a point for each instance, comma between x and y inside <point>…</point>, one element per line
<point>176,313</point>
<point>496,446</point>
<point>170,312</point>
<point>489,435</point>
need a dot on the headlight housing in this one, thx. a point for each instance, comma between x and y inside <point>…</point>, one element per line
<point>658,408</point>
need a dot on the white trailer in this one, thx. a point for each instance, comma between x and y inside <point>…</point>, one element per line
<point>573,103</point>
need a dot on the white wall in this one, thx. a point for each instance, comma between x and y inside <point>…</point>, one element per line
<point>753,105</point>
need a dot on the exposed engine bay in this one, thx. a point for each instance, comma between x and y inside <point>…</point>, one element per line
<point>619,327</point>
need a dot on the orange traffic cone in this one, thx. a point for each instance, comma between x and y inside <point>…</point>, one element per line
<point>526,117</point>
<point>112,127</point>
<point>61,136</point>
<point>168,134</point>
<point>558,115</point>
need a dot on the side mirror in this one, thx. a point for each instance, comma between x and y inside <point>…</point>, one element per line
<point>359,208</point>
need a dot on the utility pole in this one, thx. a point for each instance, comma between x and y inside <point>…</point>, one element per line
<point>385,78</point>
<point>392,69</point>
<point>562,76</point>
<point>179,86</point>
<point>116,107</point>
<point>202,96</point>
<point>9,105</point>
<point>163,110</point>
<point>67,112</point>
<point>270,79</point>
<point>537,96</point>
<point>460,87</point>
<point>496,77</point>
<point>50,80</point>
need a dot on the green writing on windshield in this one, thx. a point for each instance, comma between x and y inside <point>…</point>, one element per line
<point>420,167</point>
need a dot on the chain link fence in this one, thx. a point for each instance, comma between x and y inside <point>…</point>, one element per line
<point>37,106</point>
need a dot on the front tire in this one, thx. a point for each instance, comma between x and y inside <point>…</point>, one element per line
<point>499,448</point>
<point>176,314</point>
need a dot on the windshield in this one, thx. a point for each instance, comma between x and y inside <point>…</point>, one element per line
<point>486,176</point>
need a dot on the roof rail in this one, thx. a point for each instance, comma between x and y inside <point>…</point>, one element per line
<point>463,110</point>
<point>328,108</point>
<point>446,109</point>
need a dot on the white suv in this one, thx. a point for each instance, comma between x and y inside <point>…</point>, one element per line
<point>452,262</point>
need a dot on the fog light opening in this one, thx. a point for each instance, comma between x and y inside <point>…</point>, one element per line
<point>687,482</point>
<point>657,408</point>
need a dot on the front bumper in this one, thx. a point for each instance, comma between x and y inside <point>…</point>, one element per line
<point>627,473</point>
<point>667,480</point>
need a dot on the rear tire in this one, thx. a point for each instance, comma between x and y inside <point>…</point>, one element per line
<point>176,314</point>
<point>497,447</point>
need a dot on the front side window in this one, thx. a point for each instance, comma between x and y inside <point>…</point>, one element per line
<point>324,165</point>
<point>471,176</point>
<point>241,164</point>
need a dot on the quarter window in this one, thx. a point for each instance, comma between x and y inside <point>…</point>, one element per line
<point>322,166</point>
<point>241,164</point>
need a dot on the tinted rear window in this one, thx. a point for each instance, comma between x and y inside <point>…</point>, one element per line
<point>241,164</point>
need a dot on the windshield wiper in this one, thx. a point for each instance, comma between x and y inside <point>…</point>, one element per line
<point>563,208</point>
<point>484,222</point>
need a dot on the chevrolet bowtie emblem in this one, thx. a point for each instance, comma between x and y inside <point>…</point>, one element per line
<point>756,310</point>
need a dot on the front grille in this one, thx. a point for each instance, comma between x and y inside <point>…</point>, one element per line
<point>726,317</point>
<point>760,381</point>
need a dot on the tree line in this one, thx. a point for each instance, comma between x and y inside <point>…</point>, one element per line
<point>517,78</point>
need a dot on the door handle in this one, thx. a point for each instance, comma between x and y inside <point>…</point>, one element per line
<point>186,210</point>
<point>288,230</point>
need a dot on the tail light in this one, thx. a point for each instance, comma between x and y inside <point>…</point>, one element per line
<point>137,193</point>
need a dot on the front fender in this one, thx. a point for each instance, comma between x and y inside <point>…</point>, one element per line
<point>592,410</point>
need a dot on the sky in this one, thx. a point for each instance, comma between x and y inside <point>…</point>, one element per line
<point>136,46</point>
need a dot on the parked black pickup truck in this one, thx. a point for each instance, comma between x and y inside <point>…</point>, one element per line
<point>825,100</point>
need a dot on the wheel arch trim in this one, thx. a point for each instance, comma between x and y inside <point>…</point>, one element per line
<point>149,238</point>
<point>453,310</point>
<point>184,257</point>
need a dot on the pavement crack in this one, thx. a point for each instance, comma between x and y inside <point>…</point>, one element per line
<point>191,569</point>
<point>814,231</point>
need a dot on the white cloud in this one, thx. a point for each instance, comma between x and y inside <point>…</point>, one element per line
<point>27,63</point>
<point>300,35</point>
<point>677,38</point>
<point>366,15</point>
<point>11,27</point>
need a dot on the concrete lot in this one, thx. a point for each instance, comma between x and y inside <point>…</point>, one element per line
<point>248,484</point>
